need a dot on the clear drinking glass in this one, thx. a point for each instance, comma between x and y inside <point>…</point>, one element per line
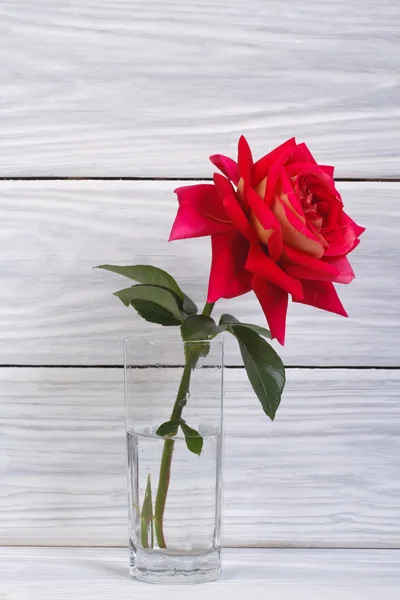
<point>174,481</point>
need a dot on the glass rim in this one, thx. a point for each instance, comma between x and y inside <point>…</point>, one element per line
<point>151,342</point>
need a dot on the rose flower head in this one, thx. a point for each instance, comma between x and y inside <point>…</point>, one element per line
<point>277,227</point>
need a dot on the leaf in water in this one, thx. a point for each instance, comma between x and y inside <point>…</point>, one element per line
<point>193,439</point>
<point>146,517</point>
<point>168,428</point>
<point>264,368</point>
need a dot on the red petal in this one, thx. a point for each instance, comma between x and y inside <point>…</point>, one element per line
<point>303,266</point>
<point>200,213</point>
<point>222,185</point>
<point>328,170</point>
<point>357,229</point>
<point>228,277</point>
<point>232,207</point>
<point>262,210</point>
<point>345,236</point>
<point>261,264</point>
<point>275,245</point>
<point>295,231</point>
<point>346,273</point>
<point>322,184</point>
<point>288,190</point>
<point>227,166</point>
<point>355,244</point>
<point>272,180</point>
<point>265,223</point>
<point>302,155</point>
<point>322,294</point>
<point>262,166</point>
<point>274,302</point>
<point>245,161</point>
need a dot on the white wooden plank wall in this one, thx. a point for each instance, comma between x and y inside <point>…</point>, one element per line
<point>145,90</point>
<point>325,473</point>
<point>55,309</point>
<point>151,88</point>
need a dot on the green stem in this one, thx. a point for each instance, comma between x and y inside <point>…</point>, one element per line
<point>168,450</point>
<point>166,459</point>
<point>162,491</point>
<point>208,307</point>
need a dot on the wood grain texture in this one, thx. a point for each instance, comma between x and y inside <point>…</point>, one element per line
<point>151,89</point>
<point>92,573</point>
<point>54,309</point>
<point>325,474</point>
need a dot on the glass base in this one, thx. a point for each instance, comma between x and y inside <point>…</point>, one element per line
<point>156,566</point>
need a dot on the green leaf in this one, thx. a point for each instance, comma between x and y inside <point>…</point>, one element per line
<point>146,517</point>
<point>265,369</point>
<point>227,320</point>
<point>154,314</point>
<point>125,295</point>
<point>199,327</point>
<point>193,439</point>
<point>195,350</point>
<point>189,306</point>
<point>195,329</point>
<point>153,303</point>
<point>149,275</point>
<point>168,428</point>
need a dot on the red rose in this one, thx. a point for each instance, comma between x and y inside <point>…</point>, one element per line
<point>277,226</point>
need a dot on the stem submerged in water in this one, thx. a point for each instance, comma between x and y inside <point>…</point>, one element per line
<point>162,491</point>
<point>166,459</point>
<point>168,450</point>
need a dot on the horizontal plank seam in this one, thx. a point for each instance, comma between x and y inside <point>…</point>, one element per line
<point>55,178</point>
<point>166,366</point>
<point>282,547</point>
